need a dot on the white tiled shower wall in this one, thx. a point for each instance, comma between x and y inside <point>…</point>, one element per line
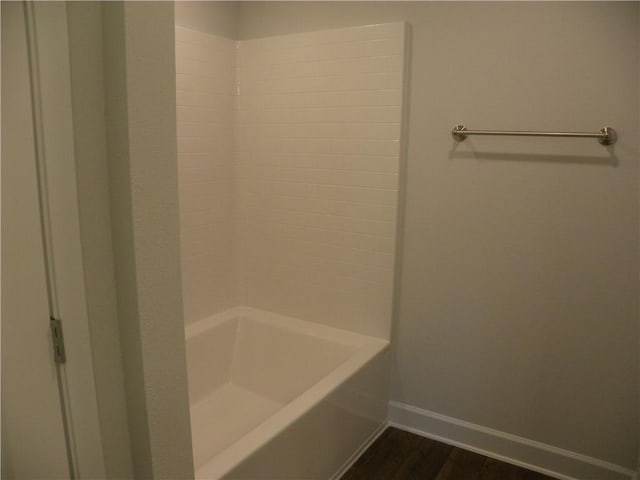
<point>206,95</point>
<point>311,191</point>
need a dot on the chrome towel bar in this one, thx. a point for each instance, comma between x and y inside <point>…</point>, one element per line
<point>606,135</point>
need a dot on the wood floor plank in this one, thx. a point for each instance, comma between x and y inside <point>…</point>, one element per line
<point>462,465</point>
<point>494,469</point>
<point>426,462</point>
<point>400,455</point>
<point>384,457</point>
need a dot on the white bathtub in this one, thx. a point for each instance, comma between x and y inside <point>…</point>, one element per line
<point>279,398</point>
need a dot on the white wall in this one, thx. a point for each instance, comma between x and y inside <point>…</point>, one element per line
<point>206,93</point>
<point>87,80</point>
<point>519,301</point>
<point>139,65</point>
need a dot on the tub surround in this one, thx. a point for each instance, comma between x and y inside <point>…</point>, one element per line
<point>289,165</point>
<point>205,96</point>
<point>317,169</point>
<point>289,161</point>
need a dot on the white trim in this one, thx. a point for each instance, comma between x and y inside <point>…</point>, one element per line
<point>537,456</point>
<point>358,453</point>
<point>59,189</point>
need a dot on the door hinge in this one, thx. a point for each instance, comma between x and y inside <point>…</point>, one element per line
<point>58,341</point>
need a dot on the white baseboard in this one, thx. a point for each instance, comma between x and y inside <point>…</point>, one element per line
<point>358,453</point>
<point>540,457</point>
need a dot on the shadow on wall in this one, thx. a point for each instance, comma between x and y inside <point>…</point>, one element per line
<point>609,159</point>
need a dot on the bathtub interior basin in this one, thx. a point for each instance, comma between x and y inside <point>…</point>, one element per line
<point>252,373</point>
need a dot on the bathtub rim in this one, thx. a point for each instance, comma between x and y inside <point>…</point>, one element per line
<point>367,348</point>
<point>304,327</point>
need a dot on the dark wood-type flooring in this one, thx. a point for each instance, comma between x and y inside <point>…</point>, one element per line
<point>399,455</point>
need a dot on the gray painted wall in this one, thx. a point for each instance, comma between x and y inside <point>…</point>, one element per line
<point>519,292</point>
<point>216,18</point>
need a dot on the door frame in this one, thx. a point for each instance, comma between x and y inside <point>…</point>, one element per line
<point>48,45</point>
